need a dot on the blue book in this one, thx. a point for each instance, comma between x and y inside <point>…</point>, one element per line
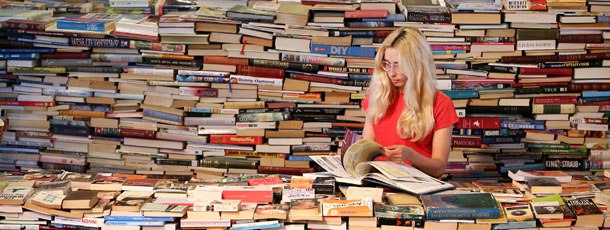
<point>461,206</point>
<point>497,140</point>
<point>353,51</point>
<point>299,158</point>
<point>82,24</point>
<point>369,24</point>
<point>390,18</point>
<point>462,94</point>
<point>515,225</point>
<point>260,226</point>
<point>521,124</point>
<point>193,78</point>
<point>452,66</point>
<point>449,51</point>
<point>43,50</point>
<point>137,218</point>
<point>161,115</point>
<point>135,223</point>
<point>603,19</point>
<point>596,94</point>
<point>594,99</point>
<point>355,76</point>
<point>537,166</point>
<point>39,41</point>
<point>18,56</point>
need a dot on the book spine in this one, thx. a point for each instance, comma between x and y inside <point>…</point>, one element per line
<point>70,130</point>
<point>373,24</point>
<point>530,59</point>
<point>449,47</point>
<point>150,45</point>
<point>81,25</point>
<point>499,110</point>
<point>348,70</point>
<point>553,108</point>
<point>499,140</point>
<point>65,62</point>
<point>466,142</point>
<point>366,14</point>
<point>235,140</point>
<point>106,132</point>
<point>564,164</point>
<point>343,50</point>
<point>161,115</point>
<point>28,103</point>
<point>137,133</point>
<point>462,213</point>
<point>354,33</point>
<point>283,170</point>
<point>313,59</point>
<point>248,153</point>
<point>6,43</point>
<point>589,86</point>
<point>583,57</point>
<point>228,163</point>
<point>18,56</point>
<point>306,77</point>
<point>95,69</point>
<point>177,162</point>
<point>80,55</point>
<point>429,17</point>
<point>99,42</point>
<point>580,38</point>
<point>172,62</point>
<point>260,71</point>
<point>24,25</point>
<point>570,65</point>
<point>555,100</point>
<point>478,123</point>
<point>400,222</point>
<point>284,65</point>
<point>116,57</point>
<point>62,160</point>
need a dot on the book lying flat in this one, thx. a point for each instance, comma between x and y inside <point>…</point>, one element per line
<point>357,164</point>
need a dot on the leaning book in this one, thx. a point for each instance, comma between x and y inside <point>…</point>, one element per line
<point>357,163</point>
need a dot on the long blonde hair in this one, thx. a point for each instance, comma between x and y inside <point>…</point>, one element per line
<point>416,62</point>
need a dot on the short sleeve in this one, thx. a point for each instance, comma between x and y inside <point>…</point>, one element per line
<point>444,112</point>
<point>365,103</point>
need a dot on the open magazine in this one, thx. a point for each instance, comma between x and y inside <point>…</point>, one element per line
<point>357,166</point>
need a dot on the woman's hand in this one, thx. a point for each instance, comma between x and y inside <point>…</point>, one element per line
<point>397,153</point>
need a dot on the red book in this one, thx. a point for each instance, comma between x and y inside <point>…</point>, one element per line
<point>555,100</point>
<point>224,60</point>
<point>548,71</point>
<point>8,76</point>
<point>583,57</point>
<point>589,86</point>
<point>478,123</point>
<point>449,47</point>
<point>256,194</point>
<point>265,181</point>
<point>140,182</point>
<point>493,43</point>
<point>260,72</point>
<point>24,25</point>
<point>383,33</point>
<point>604,108</point>
<point>466,142</point>
<point>366,14</point>
<point>534,84</point>
<point>137,133</point>
<point>235,140</point>
<point>80,55</point>
<point>348,124</point>
<point>27,103</point>
<point>306,77</point>
<point>281,105</point>
<point>283,170</point>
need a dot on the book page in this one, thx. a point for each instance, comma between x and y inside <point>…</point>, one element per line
<point>331,164</point>
<point>362,151</point>
<point>401,172</point>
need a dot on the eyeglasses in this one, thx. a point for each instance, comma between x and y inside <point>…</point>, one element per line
<point>387,66</point>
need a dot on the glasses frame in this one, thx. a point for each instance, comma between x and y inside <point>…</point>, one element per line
<point>392,66</point>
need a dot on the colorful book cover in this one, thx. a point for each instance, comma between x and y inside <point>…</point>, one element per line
<point>461,206</point>
<point>354,51</point>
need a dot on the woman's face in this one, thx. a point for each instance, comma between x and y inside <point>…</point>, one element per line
<point>397,78</point>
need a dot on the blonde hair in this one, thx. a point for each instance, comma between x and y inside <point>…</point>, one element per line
<point>416,62</point>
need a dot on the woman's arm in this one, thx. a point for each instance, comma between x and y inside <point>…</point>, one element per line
<point>433,166</point>
<point>368,131</point>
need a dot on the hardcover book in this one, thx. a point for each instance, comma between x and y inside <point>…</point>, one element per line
<point>271,211</point>
<point>461,206</point>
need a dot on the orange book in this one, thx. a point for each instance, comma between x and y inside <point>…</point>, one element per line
<point>362,207</point>
<point>82,113</point>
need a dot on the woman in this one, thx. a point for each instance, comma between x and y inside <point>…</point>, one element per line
<point>405,112</point>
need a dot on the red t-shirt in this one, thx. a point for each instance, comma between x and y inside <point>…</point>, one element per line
<point>385,129</point>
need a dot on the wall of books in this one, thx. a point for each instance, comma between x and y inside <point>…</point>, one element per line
<point>184,90</point>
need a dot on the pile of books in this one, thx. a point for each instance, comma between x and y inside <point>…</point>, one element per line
<point>56,199</point>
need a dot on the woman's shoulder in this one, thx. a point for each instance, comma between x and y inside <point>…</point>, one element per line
<point>441,98</point>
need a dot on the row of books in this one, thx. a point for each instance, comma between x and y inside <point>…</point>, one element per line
<point>66,200</point>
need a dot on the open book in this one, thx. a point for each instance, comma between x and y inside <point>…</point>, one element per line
<point>357,166</point>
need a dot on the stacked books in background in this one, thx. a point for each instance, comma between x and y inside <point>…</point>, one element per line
<point>184,89</point>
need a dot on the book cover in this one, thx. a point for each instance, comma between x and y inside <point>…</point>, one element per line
<point>461,206</point>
